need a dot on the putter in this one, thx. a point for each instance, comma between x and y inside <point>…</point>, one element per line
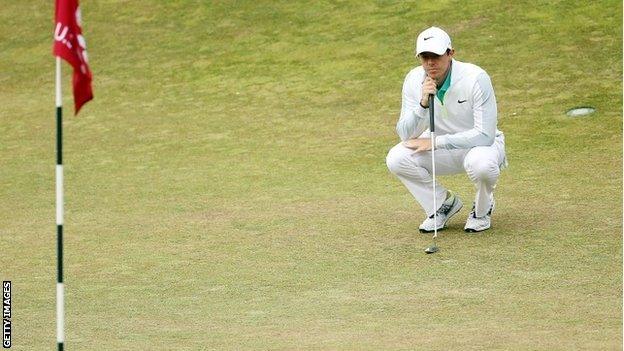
<point>433,248</point>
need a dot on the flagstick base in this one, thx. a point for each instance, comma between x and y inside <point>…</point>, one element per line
<point>60,313</point>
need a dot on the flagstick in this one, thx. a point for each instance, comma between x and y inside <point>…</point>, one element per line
<point>60,289</point>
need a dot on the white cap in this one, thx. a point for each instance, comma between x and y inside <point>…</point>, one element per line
<point>433,40</point>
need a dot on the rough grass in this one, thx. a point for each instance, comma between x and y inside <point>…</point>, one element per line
<point>226,189</point>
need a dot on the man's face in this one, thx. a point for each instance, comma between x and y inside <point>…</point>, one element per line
<point>436,65</point>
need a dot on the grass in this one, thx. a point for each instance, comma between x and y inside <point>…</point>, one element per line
<point>227,190</point>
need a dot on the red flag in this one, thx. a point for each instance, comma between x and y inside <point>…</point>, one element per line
<point>70,45</point>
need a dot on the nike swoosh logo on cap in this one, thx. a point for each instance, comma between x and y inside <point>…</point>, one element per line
<point>461,101</point>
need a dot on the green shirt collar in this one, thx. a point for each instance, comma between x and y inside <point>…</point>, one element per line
<point>447,82</point>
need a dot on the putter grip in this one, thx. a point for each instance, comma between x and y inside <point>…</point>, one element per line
<point>431,119</point>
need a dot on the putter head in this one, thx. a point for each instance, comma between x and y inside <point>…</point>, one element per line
<point>431,249</point>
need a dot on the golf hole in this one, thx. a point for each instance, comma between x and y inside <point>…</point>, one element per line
<point>580,111</point>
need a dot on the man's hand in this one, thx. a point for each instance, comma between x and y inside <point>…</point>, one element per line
<point>428,88</point>
<point>418,145</point>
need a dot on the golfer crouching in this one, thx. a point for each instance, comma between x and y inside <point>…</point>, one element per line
<point>466,134</point>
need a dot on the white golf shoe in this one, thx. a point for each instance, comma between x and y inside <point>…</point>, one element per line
<point>449,207</point>
<point>478,224</point>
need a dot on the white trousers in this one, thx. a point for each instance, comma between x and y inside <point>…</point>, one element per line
<point>481,163</point>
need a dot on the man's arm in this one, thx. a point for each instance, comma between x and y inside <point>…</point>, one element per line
<point>485,119</point>
<point>414,120</point>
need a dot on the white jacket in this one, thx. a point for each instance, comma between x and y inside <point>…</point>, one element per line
<point>468,116</point>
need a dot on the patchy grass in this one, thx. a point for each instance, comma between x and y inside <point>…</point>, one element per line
<point>227,190</point>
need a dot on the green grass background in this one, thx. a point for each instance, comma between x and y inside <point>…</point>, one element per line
<point>227,188</point>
